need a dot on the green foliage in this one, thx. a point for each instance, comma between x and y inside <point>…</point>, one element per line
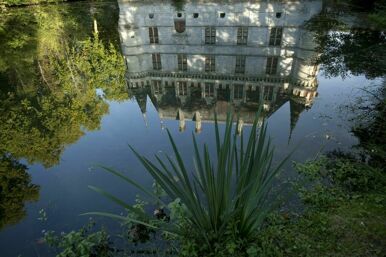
<point>353,228</point>
<point>81,243</point>
<point>346,49</point>
<point>344,215</point>
<point>89,64</point>
<point>223,205</point>
<point>15,189</point>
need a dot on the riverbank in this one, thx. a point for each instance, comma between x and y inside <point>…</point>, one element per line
<point>344,196</point>
<point>344,212</point>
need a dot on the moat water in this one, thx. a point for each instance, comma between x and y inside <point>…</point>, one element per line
<point>68,102</point>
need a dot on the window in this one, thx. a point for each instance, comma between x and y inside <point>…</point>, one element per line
<point>222,15</point>
<point>209,89</point>
<point>182,88</point>
<point>268,93</point>
<point>195,15</point>
<point>238,91</point>
<point>242,35</point>
<point>210,35</point>
<point>179,25</point>
<point>278,15</point>
<point>153,35</point>
<point>271,67</point>
<point>240,65</point>
<point>210,63</point>
<point>157,86</point>
<point>182,62</point>
<point>156,61</point>
<point>275,36</point>
<point>151,15</point>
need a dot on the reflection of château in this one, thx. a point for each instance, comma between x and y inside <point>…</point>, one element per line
<point>206,54</point>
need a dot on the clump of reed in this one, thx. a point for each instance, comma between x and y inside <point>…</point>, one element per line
<point>228,192</point>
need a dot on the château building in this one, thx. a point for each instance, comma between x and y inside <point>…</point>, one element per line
<point>193,56</point>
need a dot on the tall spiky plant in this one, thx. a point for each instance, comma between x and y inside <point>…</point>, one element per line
<point>234,190</point>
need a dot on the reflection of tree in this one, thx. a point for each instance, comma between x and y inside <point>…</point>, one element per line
<point>370,125</point>
<point>49,71</point>
<point>38,128</point>
<point>178,4</point>
<point>89,64</point>
<point>346,49</point>
<point>15,190</point>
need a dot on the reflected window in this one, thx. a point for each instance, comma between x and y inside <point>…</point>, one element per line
<point>268,93</point>
<point>209,89</point>
<point>275,36</point>
<point>182,88</point>
<point>242,35</point>
<point>157,86</point>
<point>156,61</point>
<point>179,25</point>
<point>240,65</point>
<point>182,62</point>
<point>210,35</point>
<point>210,63</point>
<point>253,94</point>
<point>153,35</point>
<point>238,91</point>
<point>271,67</point>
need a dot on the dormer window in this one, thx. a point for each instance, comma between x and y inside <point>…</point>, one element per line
<point>195,15</point>
<point>271,67</point>
<point>182,62</point>
<point>222,15</point>
<point>238,91</point>
<point>179,25</point>
<point>240,65</point>
<point>156,58</point>
<point>151,15</point>
<point>278,15</point>
<point>209,89</point>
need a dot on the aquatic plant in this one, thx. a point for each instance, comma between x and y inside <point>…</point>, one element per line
<point>230,197</point>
